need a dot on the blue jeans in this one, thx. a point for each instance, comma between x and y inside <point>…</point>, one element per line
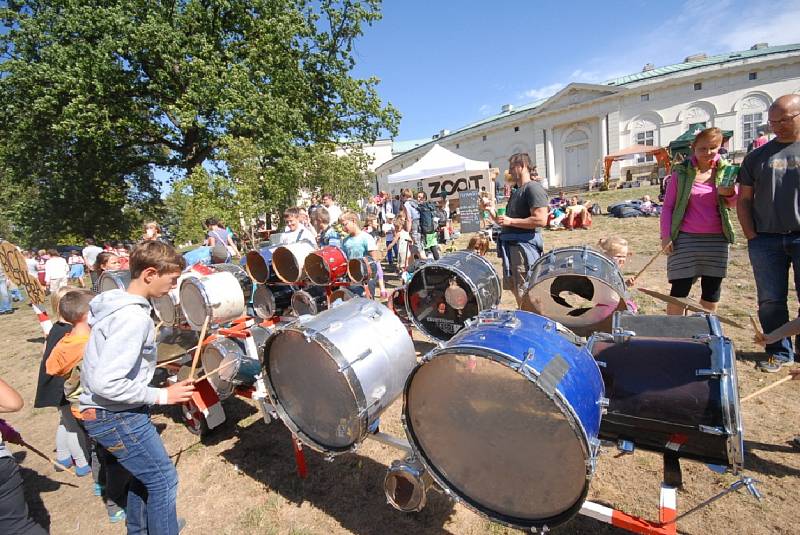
<point>5,300</point>
<point>391,253</point>
<point>131,438</point>
<point>771,255</point>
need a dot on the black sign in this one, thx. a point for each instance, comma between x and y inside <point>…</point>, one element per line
<point>468,211</point>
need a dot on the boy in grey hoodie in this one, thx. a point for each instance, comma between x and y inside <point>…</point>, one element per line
<point>118,366</point>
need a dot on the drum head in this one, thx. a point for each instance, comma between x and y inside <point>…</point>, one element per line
<point>264,302</point>
<point>575,300</point>
<point>217,353</point>
<point>113,280</point>
<point>258,265</point>
<point>311,390</point>
<point>496,439</point>
<point>194,301</point>
<point>285,265</point>
<point>429,298</point>
<point>166,309</point>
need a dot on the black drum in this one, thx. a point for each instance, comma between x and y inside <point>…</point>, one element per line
<point>663,326</point>
<point>270,301</point>
<point>577,287</point>
<point>312,300</point>
<point>674,396</point>
<point>442,295</point>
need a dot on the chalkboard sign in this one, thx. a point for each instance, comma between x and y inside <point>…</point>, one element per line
<point>469,213</point>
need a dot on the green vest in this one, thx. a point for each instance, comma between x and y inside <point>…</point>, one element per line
<point>686,173</point>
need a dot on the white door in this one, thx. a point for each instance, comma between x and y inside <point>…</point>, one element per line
<point>577,160</point>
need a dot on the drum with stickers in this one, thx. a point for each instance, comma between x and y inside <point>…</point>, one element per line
<point>505,416</point>
<point>330,376</point>
<point>443,294</point>
<point>577,287</point>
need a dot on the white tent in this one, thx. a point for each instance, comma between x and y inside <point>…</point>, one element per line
<point>439,162</point>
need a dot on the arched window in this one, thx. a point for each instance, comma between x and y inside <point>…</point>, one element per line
<point>752,115</point>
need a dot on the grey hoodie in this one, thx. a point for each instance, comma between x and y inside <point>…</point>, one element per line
<point>120,356</point>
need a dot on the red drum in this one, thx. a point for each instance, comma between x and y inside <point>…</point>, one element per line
<point>326,265</point>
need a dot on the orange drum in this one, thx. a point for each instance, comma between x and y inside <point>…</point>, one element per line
<point>325,266</point>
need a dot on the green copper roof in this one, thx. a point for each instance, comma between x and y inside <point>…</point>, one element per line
<point>710,60</point>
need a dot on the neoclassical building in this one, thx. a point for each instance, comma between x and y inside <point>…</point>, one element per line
<point>570,132</point>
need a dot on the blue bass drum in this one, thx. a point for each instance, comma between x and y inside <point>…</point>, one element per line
<point>201,255</point>
<point>505,417</point>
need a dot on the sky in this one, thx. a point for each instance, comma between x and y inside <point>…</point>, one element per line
<point>445,64</point>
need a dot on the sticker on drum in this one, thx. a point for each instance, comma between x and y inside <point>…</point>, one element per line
<point>217,296</point>
<point>576,286</point>
<point>330,376</point>
<point>442,295</point>
<point>325,266</point>
<point>672,395</point>
<point>113,280</point>
<point>505,416</point>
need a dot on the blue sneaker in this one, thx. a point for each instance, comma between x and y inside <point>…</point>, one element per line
<point>118,516</point>
<point>98,489</point>
<point>81,471</point>
<point>64,464</point>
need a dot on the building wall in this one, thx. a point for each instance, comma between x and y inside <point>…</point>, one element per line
<point>567,134</point>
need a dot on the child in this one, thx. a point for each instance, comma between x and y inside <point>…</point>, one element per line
<point>122,253</point>
<point>55,271</point>
<point>118,366</point>
<point>105,262</point>
<point>76,268</point>
<point>401,243</point>
<point>359,244</point>
<point>371,227</point>
<point>616,250</point>
<point>295,231</point>
<point>326,233</point>
<point>388,231</point>
<point>479,244</point>
<point>65,362</point>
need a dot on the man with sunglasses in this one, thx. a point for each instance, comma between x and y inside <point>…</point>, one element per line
<point>769,212</point>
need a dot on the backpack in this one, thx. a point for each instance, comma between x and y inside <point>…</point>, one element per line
<point>426,214</point>
<point>596,210</point>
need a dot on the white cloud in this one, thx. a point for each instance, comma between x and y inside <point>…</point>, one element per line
<point>542,92</point>
<point>485,109</point>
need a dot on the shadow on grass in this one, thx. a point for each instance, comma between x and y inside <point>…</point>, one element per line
<point>35,484</point>
<point>756,463</point>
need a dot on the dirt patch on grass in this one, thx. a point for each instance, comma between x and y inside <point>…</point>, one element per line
<point>242,478</point>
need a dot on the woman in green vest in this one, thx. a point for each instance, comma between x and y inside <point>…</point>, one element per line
<point>696,228</point>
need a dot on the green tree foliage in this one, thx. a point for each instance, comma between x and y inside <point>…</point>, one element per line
<point>97,93</point>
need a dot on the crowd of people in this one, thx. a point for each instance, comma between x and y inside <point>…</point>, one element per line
<point>99,357</point>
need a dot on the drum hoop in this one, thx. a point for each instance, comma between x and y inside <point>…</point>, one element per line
<point>271,298</point>
<point>722,359</point>
<point>466,500</point>
<point>616,271</point>
<point>352,380</point>
<point>463,276</point>
<point>208,309</point>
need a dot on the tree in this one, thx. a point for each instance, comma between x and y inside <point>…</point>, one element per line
<point>135,84</point>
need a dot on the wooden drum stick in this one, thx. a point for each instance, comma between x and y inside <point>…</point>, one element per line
<point>199,348</point>
<point>217,370</point>
<point>755,325</point>
<point>769,387</point>
<point>649,263</point>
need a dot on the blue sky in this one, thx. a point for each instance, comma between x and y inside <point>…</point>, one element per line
<point>446,63</point>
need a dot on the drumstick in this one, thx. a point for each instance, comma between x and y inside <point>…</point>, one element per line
<point>212,372</point>
<point>647,265</point>
<point>769,387</point>
<point>199,347</point>
<point>52,461</point>
<point>165,363</point>
<point>755,325</point>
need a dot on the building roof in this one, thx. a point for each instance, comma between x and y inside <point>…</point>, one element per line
<point>400,147</point>
<point>710,60</point>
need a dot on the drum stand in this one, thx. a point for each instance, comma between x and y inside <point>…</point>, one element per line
<point>668,505</point>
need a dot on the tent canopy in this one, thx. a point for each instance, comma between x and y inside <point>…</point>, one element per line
<point>438,162</point>
<point>682,144</point>
<point>660,153</point>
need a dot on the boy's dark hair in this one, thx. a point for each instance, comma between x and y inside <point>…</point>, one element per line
<point>292,211</point>
<point>155,254</point>
<point>74,305</point>
<point>322,215</point>
<point>89,241</point>
<point>521,158</point>
<point>101,259</point>
<point>212,222</point>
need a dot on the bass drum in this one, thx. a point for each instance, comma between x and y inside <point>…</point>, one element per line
<point>312,300</point>
<point>674,396</point>
<point>330,376</point>
<point>168,307</point>
<point>217,296</point>
<point>505,416</point>
<point>240,367</point>
<point>325,266</point>
<point>577,287</point>
<point>113,280</point>
<point>270,301</point>
<point>698,325</point>
<point>442,295</point>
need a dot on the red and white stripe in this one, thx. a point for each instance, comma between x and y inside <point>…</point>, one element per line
<point>44,319</point>
<point>667,515</point>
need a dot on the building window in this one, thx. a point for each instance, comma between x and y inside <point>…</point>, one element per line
<point>484,138</point>
<point>645,97</point>
<point>750,124</point>
<point>698,86</point>
<point>645,138</point>
<point>516,129</point>
<point>752,76</point>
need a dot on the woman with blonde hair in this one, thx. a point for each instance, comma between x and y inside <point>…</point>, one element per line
<point>696,229</point>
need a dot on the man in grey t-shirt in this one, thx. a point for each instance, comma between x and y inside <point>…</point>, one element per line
<point>769,212</point>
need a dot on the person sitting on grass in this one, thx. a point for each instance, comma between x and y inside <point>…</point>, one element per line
<point>577,215</point>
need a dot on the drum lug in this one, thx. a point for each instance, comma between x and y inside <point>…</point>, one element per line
<point>622,336</point>
<point>711,430</point>
<point>603,404</point>
<point>625,446</point>
<point>707,372</point>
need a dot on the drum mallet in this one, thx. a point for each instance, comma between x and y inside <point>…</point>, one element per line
<point>199,348</point>
<point>648,264</point>
<point>768,387</point>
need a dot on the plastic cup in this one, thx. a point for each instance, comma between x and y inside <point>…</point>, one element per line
<point>729,176</point>
<point>501,211</point>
